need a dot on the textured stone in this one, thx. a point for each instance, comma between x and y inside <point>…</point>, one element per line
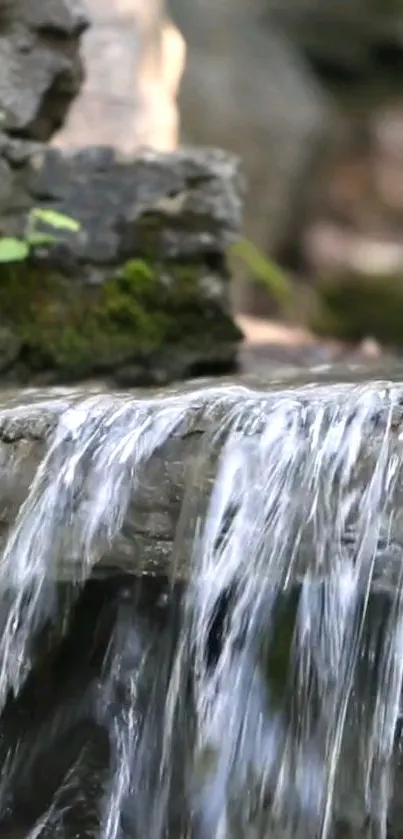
<point>141,293</point>
<point>178,205</point>
<point>40,65</point>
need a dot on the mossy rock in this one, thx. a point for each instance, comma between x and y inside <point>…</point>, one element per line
<point>354,306</point>
<point>141,316</point>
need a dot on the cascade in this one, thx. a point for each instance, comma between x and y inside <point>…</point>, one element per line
<point>202,612</point>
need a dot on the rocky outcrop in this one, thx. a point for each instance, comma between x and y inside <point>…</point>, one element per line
<point>139,289</point>
<point>40,64</point>
<point>141,292</point>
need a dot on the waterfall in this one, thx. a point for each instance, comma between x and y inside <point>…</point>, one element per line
<point>259,693</point>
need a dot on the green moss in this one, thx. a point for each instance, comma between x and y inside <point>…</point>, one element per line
<point>353,307</point>
<point>140,311</point>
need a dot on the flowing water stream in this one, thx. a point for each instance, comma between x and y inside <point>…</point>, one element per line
<point>258,693</point>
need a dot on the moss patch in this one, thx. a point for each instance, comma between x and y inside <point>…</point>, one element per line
<point>353,307</point>
<point>139,311</point>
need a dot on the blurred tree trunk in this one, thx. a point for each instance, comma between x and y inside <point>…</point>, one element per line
<point>134,59</point>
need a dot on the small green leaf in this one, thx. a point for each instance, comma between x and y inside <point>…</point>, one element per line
<point>36,239</point>
<point>55,219</point>
<point>13,250</point>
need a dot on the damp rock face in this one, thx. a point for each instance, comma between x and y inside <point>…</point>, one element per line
<point>59,725</point>
<point>141,292</point>
<point>144,545</point>
<point>40,64</point>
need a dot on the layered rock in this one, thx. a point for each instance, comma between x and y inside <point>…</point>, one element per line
<point>141,292</point>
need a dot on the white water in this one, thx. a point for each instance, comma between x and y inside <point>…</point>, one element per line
<point>275,707</point>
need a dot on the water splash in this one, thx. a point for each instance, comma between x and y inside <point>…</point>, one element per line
<point>274,704</point>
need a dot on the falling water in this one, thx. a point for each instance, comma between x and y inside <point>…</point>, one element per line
<point>264,698</point>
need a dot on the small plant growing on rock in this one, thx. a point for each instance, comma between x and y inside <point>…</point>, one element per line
<point>18,249</point>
